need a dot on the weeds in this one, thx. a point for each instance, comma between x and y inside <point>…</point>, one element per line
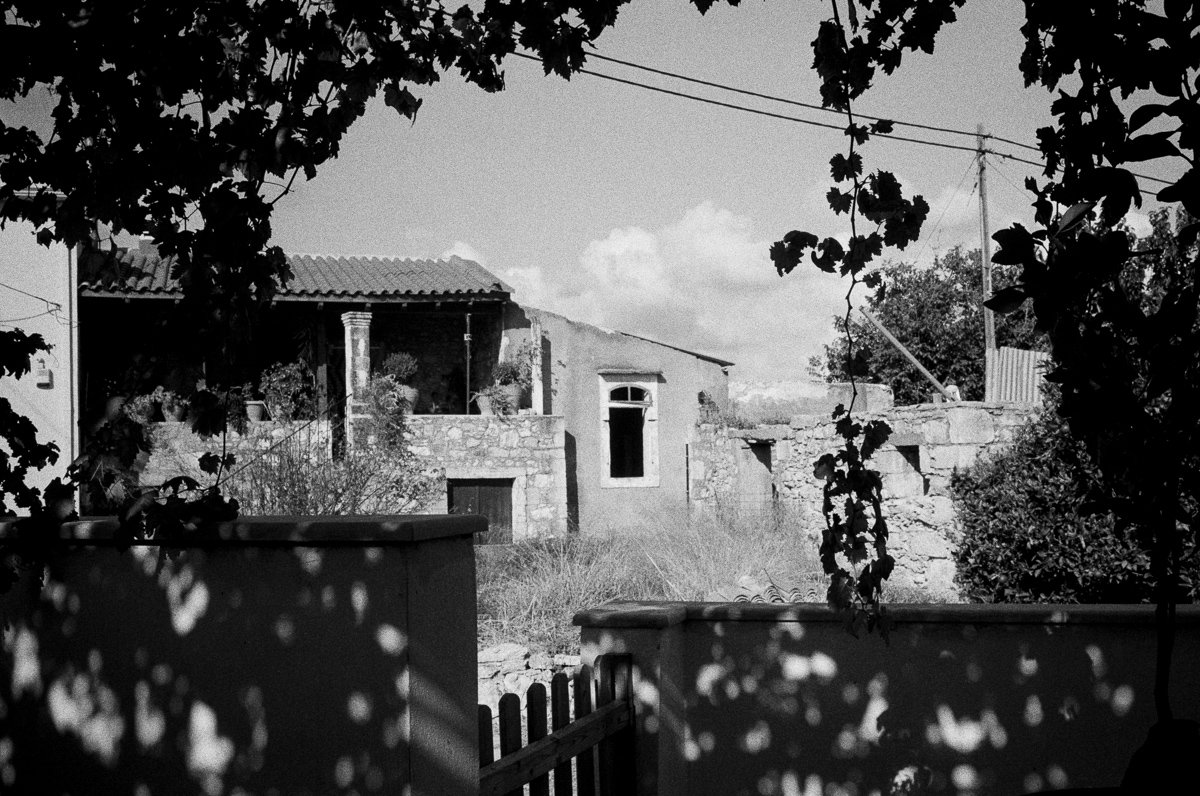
<point>529,591</point>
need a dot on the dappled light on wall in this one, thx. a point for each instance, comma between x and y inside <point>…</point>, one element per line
<point>240,670</point>
<point>966,699</point>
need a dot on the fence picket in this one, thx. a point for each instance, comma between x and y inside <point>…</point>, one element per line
<point>535,718</point>
<point>510,730</point>
<point>602,734</point>
<point>617,773</point>
<point>585,768</point>
<point>487,752</point>
<point>560,716</point>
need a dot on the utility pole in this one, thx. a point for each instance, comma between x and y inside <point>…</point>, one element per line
<point>989,321</point>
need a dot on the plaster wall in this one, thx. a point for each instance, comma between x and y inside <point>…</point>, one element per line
<point>45,273</point>
<point>575,355</point>
<point>749,699</point>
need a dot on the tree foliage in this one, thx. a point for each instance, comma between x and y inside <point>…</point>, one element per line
<point>937,313</point>
<point>188,122</point>
<point>1126,74</point>
<point>1029,532</point>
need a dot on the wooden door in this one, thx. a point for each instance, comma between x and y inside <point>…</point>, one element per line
<point>487,497</point>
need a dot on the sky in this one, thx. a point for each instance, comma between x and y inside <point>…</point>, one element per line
<point>654,214</point>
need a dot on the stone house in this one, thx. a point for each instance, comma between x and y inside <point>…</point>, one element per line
<point>599,440</point>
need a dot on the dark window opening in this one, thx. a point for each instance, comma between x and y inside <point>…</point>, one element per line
<point>487,497</point>
<point>912,455</point>
<point>625,426</point>
<point>629,395</point>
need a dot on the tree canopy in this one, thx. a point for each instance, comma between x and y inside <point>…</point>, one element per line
<point>936,311</point>
<point>1126,74</point>
<point>188,122</point>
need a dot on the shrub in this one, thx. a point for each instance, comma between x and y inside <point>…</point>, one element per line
<point>400,365</point>
<point>288,390</point>
<point>1027,535</point>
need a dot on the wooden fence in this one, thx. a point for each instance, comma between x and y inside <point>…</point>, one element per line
<point>599,740</point>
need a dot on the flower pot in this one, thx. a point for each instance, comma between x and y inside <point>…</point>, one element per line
<point>113,406</point>
<point>256,411</point>
<point>512,397</point>
<point>484,403</point>
<point>408,397</point>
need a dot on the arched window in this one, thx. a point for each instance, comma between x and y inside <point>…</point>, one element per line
<point>630,417</point>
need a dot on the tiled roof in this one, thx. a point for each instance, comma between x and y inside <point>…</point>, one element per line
<point>135,272</point>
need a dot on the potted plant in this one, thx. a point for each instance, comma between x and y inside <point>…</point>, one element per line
<point>114,400</point>
<point>511,377</point>
<point>400,367</point>
<point>144,409</point>
<point>174,406</point>
<point>287,391</point>
<point>497,399</point>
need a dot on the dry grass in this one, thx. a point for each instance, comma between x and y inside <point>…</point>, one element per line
<point>529,591</point>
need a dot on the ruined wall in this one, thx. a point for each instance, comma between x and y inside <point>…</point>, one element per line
<point>529,449</point>
<point>928,443</point>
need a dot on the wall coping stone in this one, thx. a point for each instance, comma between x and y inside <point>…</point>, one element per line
<point>669,614</point>
<point>377,531</point>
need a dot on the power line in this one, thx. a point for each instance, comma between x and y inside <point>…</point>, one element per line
<point>946,207</point>
<point>756,111</point>
<point>49,303</point>
<point>799,120</point>
<point>809,105</point>
<point>10,321</point>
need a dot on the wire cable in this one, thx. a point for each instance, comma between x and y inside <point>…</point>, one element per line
<point>11,321</point>
<point>809,105</point>
<point>758,112</point>
<point>946,207</point>
<point>799,120</point>
<point>48,302</point>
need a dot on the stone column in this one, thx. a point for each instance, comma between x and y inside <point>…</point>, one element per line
<point>538,389</point>
<point>358,370</point>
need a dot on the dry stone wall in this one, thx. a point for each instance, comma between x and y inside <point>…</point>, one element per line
<point>511,668</point>
<point>928,443</point>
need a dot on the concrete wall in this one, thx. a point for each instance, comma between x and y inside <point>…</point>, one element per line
<point>737,700</point>
<point>294,656</point>
<point>529,449</point>
<point>45,273</point>
<point>575,354</point>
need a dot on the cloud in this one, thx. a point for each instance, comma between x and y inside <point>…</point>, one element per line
<point>705,282</point>
<point>465,251</point>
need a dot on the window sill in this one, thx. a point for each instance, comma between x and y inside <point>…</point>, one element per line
<point>629,483</point>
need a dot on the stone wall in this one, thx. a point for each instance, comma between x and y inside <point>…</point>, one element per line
<point>928,443</point>
<point>529,449</point>
<point>177,449</point>
<point>511,668</point>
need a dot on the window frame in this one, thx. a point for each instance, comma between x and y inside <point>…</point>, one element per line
<point>648,383</point>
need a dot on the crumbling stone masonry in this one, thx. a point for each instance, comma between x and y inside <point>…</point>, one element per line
<point>928,443</point>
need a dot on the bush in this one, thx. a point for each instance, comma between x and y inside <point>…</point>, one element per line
<point>288,390</point>
<point>1027,536</point>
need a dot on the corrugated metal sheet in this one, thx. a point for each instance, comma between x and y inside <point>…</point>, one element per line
<point>139,273</point>
<point>1014,375</point>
